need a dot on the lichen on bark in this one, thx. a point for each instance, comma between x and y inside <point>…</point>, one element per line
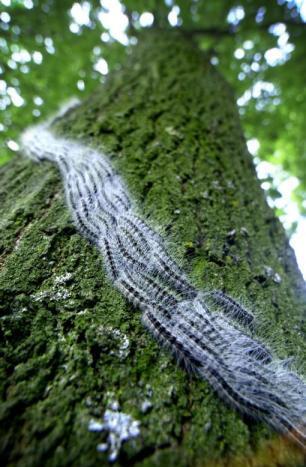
<point>168,121</point>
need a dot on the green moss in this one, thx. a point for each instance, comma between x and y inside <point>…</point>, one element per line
<point>169,123</point>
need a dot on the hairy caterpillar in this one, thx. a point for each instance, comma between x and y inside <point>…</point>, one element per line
<point>216,346</point>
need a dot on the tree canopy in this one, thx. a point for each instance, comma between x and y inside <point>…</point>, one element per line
<point>53,49</point>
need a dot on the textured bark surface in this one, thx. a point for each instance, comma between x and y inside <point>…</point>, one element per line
<point>70,342</point>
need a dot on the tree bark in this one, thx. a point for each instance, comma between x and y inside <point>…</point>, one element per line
<point>70,342</point>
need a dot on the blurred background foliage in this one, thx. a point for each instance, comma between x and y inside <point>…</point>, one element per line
<point>51,50</point>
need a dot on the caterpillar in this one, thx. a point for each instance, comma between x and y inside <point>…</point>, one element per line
<point>217,346</point>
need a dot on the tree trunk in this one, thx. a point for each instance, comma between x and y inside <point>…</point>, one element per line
<point>71,345</point>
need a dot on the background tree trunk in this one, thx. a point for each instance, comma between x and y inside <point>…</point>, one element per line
<point>70,342</point>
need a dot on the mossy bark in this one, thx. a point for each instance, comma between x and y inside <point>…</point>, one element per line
<point>169,123</point>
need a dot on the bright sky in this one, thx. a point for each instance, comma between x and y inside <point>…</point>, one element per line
<point>285,184</point>
<point>302,7</point>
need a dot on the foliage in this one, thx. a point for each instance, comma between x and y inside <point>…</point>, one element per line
<point>53,49</point>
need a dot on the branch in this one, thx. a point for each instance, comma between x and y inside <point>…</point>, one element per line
<point>287,22</point>
<point>232,30</point>
<point>214,31</point>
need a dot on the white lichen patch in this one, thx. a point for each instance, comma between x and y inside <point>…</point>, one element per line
<point>18,315</point>
<point>57,292</point>
<point>63,279</point>
<point>93,425</point>
<point>54,295</point>
<point>270,273</point>
<point>120,428</point>
<point>123,350</point>
<point>277,278</point>
<point>121,341</point>
<point>173,132</point>
<point>146,405</point>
